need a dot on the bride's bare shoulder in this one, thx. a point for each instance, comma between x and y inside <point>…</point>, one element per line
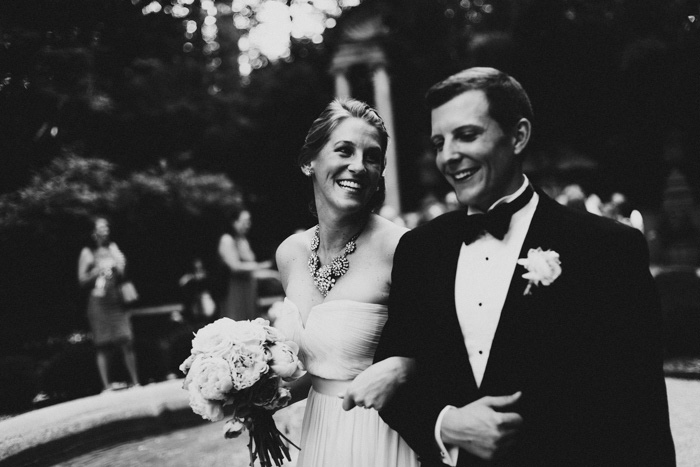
<point>387,233</point>
<point>293,247</point>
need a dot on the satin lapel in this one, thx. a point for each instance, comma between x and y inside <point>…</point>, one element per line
<point>449,249</point>
<point>504,365</point>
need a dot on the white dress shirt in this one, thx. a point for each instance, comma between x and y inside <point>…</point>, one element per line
<point>484,271</point>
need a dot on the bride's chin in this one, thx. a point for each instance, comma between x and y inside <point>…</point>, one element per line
<point>351,209</point>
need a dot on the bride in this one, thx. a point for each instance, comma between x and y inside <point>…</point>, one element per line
<point>336,278</point>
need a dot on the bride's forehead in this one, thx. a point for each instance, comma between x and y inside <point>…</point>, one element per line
<point>355,130</point>
<point>354,125</point>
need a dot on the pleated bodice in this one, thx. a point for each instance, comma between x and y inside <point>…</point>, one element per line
<point>339,337</point>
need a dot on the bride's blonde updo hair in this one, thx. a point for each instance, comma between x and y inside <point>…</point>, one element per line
<point>321,129</point>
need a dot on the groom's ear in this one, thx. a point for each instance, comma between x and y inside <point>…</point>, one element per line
<point>522,135</point>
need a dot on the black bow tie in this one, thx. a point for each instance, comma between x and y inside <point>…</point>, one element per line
<point>497,220</point>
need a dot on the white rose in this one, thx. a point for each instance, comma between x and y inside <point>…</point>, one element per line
<point>207,409</point>
<point>216,338</point>
<point>285,362</point>
<point>249,363</point>
<point>213,377</point>
<point>274,334</point>
<point>543,267</point>
<point>261,322</point>
<point>249,332</point>
<point>185,366</point>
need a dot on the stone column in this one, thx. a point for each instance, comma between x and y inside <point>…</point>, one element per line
<point>342,85</point>
<point>382,100</point>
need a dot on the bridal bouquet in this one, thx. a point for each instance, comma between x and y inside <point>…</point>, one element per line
<point>242,364</point>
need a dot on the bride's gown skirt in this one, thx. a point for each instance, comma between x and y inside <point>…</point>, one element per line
<point>336,343</point>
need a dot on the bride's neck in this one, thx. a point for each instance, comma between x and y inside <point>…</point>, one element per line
<point>335,233</point>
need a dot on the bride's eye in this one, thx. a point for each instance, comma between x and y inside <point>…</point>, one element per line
<point>374,156</point>
<point>345,150</point>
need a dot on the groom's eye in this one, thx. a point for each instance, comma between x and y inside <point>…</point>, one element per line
<point>466,137</point>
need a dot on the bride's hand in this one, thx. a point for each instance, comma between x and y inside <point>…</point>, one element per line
<point>376,385</point>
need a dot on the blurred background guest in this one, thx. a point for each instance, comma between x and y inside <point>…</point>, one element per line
<point>573,197</point>
<point>199,306</point>
<point>101,268</point>
<point>243,270</point>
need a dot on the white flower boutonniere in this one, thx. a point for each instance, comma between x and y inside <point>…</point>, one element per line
<point>543,267</point>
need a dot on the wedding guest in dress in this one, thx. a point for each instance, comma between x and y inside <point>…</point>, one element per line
<point>336,277</point>
<point>100,268</point>
<point>243,269</point>
<point>535,327</point>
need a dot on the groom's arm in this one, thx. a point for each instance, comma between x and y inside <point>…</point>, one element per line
<point>638,422</point>
<point>414,409</point>
<point>402,335</point>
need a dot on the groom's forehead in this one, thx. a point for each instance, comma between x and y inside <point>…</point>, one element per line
<point>468,108</point>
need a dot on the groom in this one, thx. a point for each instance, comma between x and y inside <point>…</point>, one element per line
<point>536,328</point>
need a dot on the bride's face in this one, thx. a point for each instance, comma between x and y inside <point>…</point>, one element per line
<point>347,170</point>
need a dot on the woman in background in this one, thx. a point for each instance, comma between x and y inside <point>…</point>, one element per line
<point>100,268</point>
<point>239,301</point>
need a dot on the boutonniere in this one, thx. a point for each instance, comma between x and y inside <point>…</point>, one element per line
<point>543,267</point>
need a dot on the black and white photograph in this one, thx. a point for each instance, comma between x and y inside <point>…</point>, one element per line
<point>349,233</point>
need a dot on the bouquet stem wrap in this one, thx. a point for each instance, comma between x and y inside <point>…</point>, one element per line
<point>267,443</point>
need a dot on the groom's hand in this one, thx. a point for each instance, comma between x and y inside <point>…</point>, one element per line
<point>485,428</point>
<point>376,385</point>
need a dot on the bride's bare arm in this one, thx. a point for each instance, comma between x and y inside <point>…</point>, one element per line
<point>376,385</point>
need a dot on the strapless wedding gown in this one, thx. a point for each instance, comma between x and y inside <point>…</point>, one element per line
<point>336,343</point>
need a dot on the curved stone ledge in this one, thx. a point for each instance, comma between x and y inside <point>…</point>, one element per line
<point>62,431</point>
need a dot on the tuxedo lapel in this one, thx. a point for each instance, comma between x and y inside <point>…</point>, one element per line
<point>448,250</point>
<point>504,364</point>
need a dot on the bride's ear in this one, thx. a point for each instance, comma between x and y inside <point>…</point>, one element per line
<point>522,135</point>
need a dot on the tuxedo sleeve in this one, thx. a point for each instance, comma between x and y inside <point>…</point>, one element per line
<point>637,427</point>
<point>414,409</point>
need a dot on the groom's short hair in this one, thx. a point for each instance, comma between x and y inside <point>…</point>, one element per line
<point>508,101</point>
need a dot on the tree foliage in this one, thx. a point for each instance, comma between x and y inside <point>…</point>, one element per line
<point>99,77</point>
<point>162,218</point>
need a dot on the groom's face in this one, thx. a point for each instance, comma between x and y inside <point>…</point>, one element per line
<point>473,152</point>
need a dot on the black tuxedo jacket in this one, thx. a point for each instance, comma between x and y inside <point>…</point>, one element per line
<point>585,351</point>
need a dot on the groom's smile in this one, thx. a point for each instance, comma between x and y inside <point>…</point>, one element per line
<point>463,175</point>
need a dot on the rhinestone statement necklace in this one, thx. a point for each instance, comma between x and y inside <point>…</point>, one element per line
<point>325,276</point>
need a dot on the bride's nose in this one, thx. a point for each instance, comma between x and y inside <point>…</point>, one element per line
<point>357,164</point>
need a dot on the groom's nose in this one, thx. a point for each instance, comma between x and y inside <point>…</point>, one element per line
<point>450,151</point>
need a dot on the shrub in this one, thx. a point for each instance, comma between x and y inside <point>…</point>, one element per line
<point>71,372</point>
<point>18,383</point>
